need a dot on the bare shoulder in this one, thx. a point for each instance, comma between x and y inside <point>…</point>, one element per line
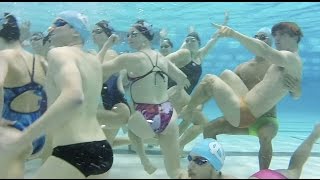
<point>8,54</point>
<point>61,55</point>
<point>294,57</point>
<point>56,52</point>
<point>132,56</point>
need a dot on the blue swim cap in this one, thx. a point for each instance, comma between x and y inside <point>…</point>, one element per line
<point>78,21</point>
<point>211,150</point>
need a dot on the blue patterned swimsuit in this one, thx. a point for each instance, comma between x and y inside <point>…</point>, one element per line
<point>21,119</point>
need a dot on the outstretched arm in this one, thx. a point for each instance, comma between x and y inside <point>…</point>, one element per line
<point>260,48</point>
<point>210,44</point>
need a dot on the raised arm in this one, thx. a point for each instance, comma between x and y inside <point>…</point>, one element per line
<point>204,51</point>
<point>210,44</point>
<point>180,57</point>
<point>67,80</point>
<point>260,48</point>
<point>113,39</point>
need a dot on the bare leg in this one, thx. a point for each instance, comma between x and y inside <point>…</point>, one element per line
<point>179,100</point>
<point>227,100</point>
<point>266,133</point>
<point>113,140</point>
<point>137,142</point>
<point>233,81</point>
<point>114,118</point>
<point>197,128</point>
<point>184,124</point>
<point>120,141</point>
<point>57,168</point>
<point>170,150</point>
<point>221,126</point>
<point>301,155</point>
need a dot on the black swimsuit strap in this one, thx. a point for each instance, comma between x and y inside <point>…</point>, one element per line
<point>151,59</point>
<point>30,74</point>
<point>33,62</point>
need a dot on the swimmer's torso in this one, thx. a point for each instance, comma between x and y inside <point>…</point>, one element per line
<point>151,89</point>
<point>18,76</point>
<point>82,126</point>
<point>269,91</point>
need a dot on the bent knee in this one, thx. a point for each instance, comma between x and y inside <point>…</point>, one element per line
<point>209,78</point>
<point>123,112</point>
<point>211,129</point>
<point>267,133</point>
<point>207,83</point>
<point>227,73</point>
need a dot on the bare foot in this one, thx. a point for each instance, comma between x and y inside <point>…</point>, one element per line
<point>149,168</point>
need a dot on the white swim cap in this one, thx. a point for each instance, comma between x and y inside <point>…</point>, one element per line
<point>267,32</point>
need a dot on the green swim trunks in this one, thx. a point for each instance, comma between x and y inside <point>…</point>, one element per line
<point>253,129</point>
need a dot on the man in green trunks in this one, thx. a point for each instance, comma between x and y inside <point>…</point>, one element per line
<point>266,127</point>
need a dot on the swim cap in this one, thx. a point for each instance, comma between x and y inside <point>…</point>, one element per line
<point>266,31</point>
<point>211,150</point>
<point>105,27</point>
<point>9,29</point>
<point>195,35</point>
<point>78,21</point>
<point>145,29</point>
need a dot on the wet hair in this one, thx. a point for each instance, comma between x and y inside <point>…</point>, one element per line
<point>9,29</point>
<point>195,35</point>
<point>168,40</point>
<point>145,29</point>
<point>288,27</point>
<point>105,27</point>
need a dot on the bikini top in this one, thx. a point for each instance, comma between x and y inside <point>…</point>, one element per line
<point>155,69</point>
